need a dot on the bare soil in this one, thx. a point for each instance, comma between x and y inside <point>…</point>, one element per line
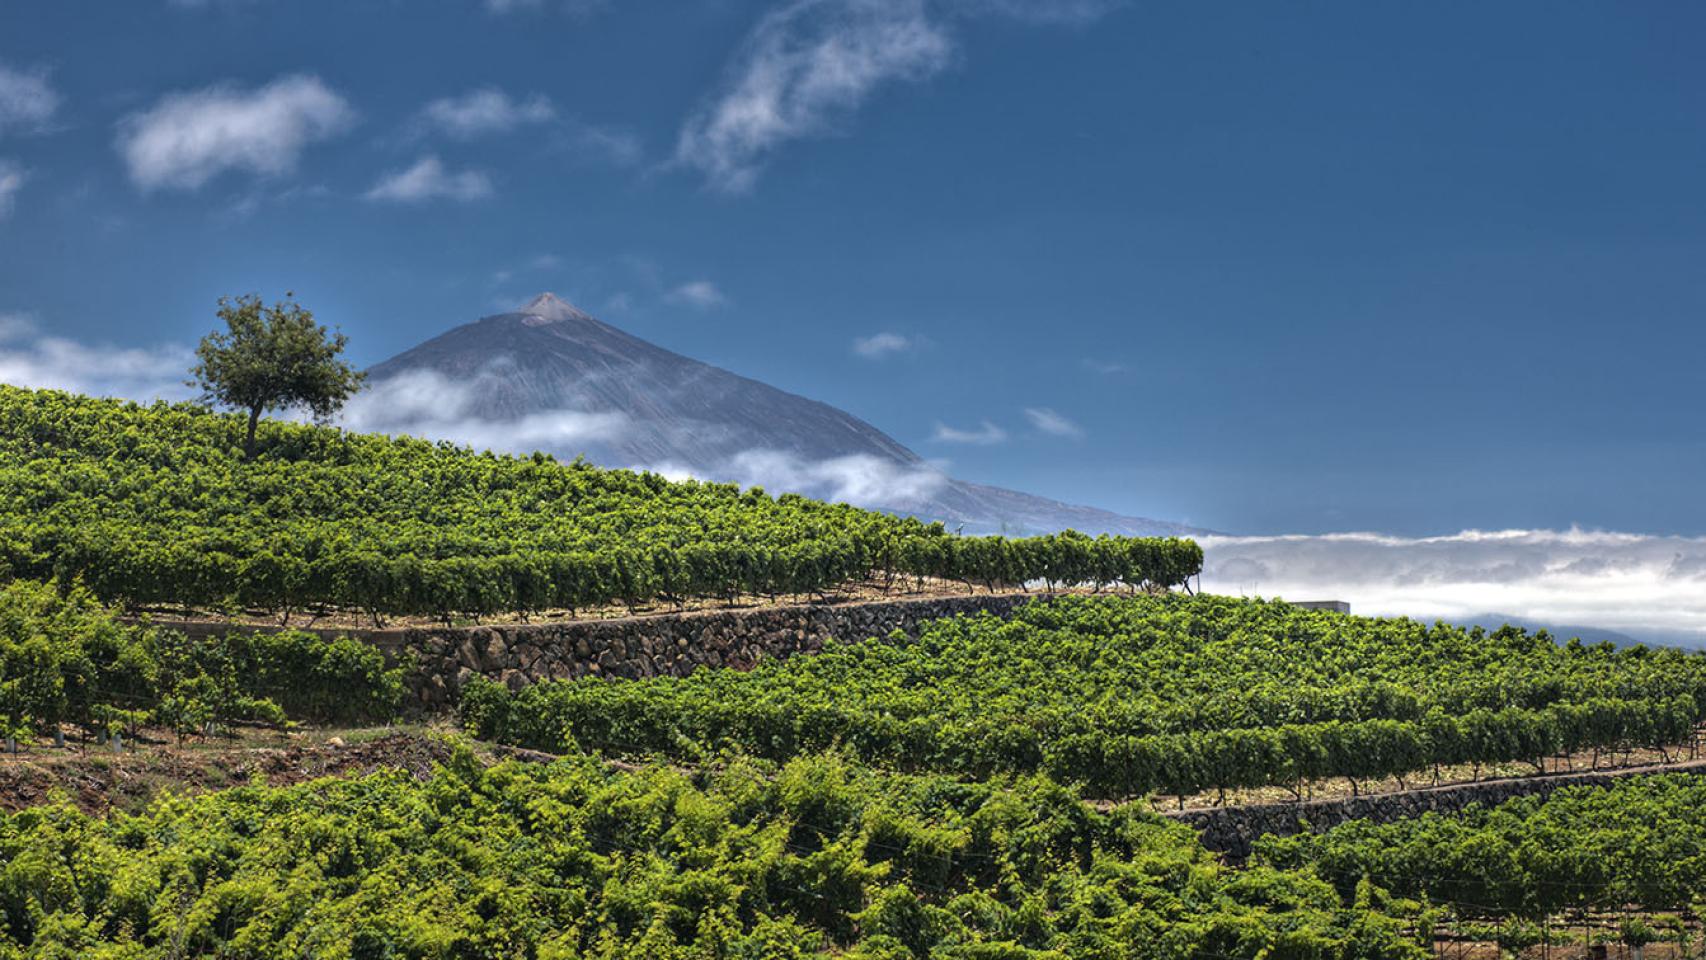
<point>98,780</point>
<point>871,591</point>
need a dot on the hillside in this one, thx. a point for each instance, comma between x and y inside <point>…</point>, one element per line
<point>622,401</point>
<point>1133,695</point>
<point>156,505</point>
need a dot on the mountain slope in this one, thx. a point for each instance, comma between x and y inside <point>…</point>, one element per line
<point>549,376</point>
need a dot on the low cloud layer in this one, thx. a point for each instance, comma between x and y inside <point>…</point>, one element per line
<point>29,359</point>
<point>860,479</point>
<point>434,407</point>
<point>187,139</point>
<point>1652,587</point>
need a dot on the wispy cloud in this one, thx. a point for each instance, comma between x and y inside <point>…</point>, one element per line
<point>702,294</point>
<point>187,139</point>
<point>30,359</point>
<point>809,64</point>
<point>804,66</point>
<point>429,180</point>
<point>1040,11</point>
<point>1106,368</point>
<point>27,101</point>
<point>879,345</point>
<point>986,434</point>
<point>485,111</point>
<point>572,7</point>
<point>1645,585</point>
<point>1052,423</point>
<point>12,179</point>
<point>489,111</point>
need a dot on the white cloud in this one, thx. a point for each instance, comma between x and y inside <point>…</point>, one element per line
<point>1052,423</point>
<point>1644,585</point>
<point>1040,11</point>
<point>27,102</point>
<point>571,7</point>
<point>879,345</point>
<point>434,407</point>
<point>859,479</point>
<point>187,139</point>
<point>986,434</point>
<point>698,293</point>
<point>1106,368</point>
<point>809,64</point>
<point>28,359</point>
<point>428,180</point>
<point>485,111</point>
<point>803,67</point>
<point>12,179</point>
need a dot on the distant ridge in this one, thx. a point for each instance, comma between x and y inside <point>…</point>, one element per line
<point>660,410</point>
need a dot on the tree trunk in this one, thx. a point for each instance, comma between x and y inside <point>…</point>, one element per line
<point>249,440</point>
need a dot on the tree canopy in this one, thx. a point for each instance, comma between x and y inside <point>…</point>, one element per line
<point>273,358</point>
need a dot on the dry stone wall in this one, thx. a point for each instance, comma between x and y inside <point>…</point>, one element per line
<point>1232,830</point>
<point>667,645</point>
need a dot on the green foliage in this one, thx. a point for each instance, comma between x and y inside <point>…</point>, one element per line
<point>149,506</point>
<point>818,859</point>
<point>64,658</point>
<point>273,358</point>
<point>1129,695</point>
<point>1639,841</point>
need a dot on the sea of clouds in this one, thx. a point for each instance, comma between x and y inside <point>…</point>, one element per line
<point>1652,587</point>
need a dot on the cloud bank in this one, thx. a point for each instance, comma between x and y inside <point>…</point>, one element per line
<point>1648,586</point>
<point>29,359</point>
<point>434,407</point>
<point>187,139</point>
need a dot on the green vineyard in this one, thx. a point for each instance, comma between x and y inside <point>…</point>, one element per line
<point>156,505</point>
<point>1134,695</point>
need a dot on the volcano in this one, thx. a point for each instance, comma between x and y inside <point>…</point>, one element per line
<point>549,376</point>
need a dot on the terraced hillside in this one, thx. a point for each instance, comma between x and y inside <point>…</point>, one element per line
<point>1134,695</point>
<point>156,506</point>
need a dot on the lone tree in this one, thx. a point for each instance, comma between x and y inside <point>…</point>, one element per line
<point>273,358</point>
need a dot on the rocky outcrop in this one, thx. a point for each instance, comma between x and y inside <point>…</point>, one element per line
<point>1232,830</point>
<point>668,645</point>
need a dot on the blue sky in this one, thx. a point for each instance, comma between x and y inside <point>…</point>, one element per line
<point>1264,268</point>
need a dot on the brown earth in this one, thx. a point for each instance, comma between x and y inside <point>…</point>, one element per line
<point>98,781</point>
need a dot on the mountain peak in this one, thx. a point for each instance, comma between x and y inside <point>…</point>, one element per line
<point>553,309</point>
